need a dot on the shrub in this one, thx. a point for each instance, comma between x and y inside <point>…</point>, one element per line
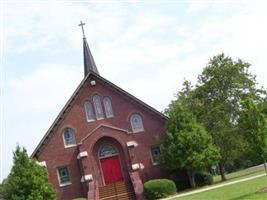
<point>203,178</point>
<point>182,183</point>
<point>159,188</point>
<point>180,179</point>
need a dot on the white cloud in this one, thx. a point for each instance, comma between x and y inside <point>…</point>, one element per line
<point>198,6</point>
<point>33,26</point>
<point>31,103</point>
<point>146,53</point>
<point>44,88</point>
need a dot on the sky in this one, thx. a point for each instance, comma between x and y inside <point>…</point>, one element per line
<point>148,48</point>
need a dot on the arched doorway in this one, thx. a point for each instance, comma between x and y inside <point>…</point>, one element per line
<point>110,163</point>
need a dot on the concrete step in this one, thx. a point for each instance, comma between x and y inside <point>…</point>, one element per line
<point>117,191</point>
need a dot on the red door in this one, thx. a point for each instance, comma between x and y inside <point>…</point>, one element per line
<point>111,169</point>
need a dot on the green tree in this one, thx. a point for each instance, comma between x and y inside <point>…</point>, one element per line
<point>27,180</point>
<point>253,124</point>
<point>263,106</point>
<point>216,100</point>
<point>187,146</point>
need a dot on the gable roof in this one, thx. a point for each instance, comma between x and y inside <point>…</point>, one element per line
<point>74,95</point>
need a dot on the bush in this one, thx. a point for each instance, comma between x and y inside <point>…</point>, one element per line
<point>159,188</point>
<point>180,179</point>
<point>182,183</point>
<point>203,178</point>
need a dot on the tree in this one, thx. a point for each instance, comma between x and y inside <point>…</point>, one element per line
<point>27,180</point>
<point>263,106</point>
<point>216,100</point>
<point>187,146</point>
<point>253,124</point>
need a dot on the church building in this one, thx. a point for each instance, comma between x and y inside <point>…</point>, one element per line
<point>104,142</point>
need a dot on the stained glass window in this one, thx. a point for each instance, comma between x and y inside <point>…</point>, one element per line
<point>89,111</point>
<point>63,174</point>
<point>155,152</point>
<point>137,123</point>
<point>108,107</point>
<point>98,107</point>
<point>107,150</point>
<point>69,137</point>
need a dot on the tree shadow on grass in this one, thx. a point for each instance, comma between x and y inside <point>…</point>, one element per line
<point>246,196</point>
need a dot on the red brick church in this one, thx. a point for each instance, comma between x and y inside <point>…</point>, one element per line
<point>104,142</point>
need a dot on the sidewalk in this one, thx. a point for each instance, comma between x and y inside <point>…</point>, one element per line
<point>214,187</point>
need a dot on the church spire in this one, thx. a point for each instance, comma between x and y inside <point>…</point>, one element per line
<point>88,60</point>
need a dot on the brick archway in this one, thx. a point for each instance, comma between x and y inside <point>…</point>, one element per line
<point>111,168</point>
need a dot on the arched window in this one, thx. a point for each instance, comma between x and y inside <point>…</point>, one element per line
<point>98,107</point>
<point>108,107</point>
<point>89,111</point>
<point>107,150</point>
<point>69,137</point>
<point>137,123</point>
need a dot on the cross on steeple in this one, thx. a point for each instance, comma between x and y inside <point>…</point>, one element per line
<point>88,60</point>
<point>82,24</point>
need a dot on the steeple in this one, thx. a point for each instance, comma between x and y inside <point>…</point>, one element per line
<point>88,60</point>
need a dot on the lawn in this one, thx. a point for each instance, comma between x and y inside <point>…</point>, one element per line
<point>245,190</point>
<point>241,174</point>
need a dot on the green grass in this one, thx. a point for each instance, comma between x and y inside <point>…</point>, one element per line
<point>245,190</point>
<point>80,198</point>
<point>241,174</point>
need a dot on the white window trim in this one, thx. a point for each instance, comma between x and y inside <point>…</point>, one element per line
<point>65,184</point>
<point>89,120</point>
<point>108,116</point>
<point>58,177</point>
<point>137,130</point>
<point>68,145</point>
<point>151,156</point>
<point>95,107</point>
<point>100,118</point>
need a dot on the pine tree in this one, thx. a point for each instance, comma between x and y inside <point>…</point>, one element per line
<point>27,180</point>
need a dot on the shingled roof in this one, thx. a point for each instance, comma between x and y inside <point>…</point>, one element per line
<point>88,60</point>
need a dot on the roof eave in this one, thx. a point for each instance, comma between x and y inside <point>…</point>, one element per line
<point>75,93</point>
<point>63,110</point>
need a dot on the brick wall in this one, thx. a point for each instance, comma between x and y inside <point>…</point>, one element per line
<point>55,155</point>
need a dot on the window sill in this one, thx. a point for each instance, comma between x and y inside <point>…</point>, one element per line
<point>138,131</point>
<point>70,146</point>
<point>64,184</point>
<point>100,118</point>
